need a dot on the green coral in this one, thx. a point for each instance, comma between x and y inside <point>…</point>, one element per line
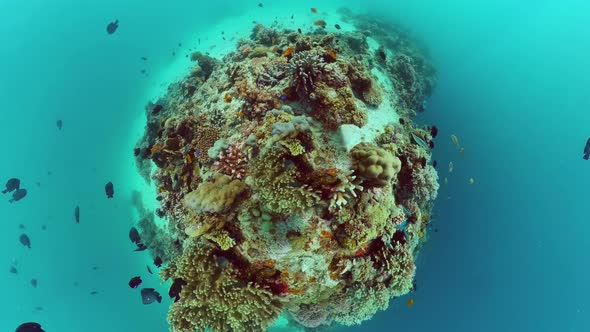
<point>376,165</point>
<point>216,196</point>
<point>213,298</point>
<point>222,239</point>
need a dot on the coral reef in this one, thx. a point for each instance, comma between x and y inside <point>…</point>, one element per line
<point>269,210</point>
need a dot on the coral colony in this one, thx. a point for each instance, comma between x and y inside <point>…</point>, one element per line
<point>292,178</point>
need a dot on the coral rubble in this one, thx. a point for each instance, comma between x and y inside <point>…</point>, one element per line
<point>269,212</point>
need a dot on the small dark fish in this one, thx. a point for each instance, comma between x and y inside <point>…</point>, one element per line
<point>434,164</point>
<point>381,54</point>
<point>157,109</point>
<point>292,16</point>
<point>149,270</point>
<point>34,283</point>
<point>21,226</point>
<point>260,5</point>
<point>587,150</point>
<point>112,27</point>
<point>136,152</point>
<point>44,227</point>
<point>175,289</point>
<point>141,247</point>
<point>433,131</point>
<point>179,44</point>
<point>134,282</point>
<point>109,190</point>
<point>95,268</point>
<point>11,185</point>
<point>144,58</point>
<point>59,124</point>
<point>77,214</point>
<point>93,292</point>
<point>337,26</point>
<point>25,241</point>
<point>158,261</point>
<point>142,71</point>
<point>18,195</point>
<point>38,308</point>
<point>150,295</point>
<point>299,30</point>
<point>13,270</point>
<point>30,327</point>
<point>134,235</point>
<point>223,38</point>
<point>431,144</point>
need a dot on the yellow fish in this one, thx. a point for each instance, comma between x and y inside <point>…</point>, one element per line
<point>455,141</point>
<point>451,167</point>
<point>471,181</point>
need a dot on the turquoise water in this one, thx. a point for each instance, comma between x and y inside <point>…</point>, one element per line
<point>511,250</point>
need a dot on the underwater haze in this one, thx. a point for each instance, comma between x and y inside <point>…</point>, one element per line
<point>510,251</point>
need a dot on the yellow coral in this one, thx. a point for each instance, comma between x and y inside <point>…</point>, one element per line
<point>222,238</point>
<point>294,146</point>
<point>213,298</point>
<point>375,164</point>
<point>216,196</point>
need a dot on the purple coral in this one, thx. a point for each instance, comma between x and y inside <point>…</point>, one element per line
<point>232,162</point>
<point>425,183</point>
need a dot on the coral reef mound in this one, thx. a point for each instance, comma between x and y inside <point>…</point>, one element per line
<point>272,207</point>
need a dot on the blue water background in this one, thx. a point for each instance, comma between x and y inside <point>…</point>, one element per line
<point>511,251</point>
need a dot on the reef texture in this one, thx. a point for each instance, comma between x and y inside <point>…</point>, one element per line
<point>268,212</point>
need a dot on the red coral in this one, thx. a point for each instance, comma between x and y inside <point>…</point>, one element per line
<point>232,162</point>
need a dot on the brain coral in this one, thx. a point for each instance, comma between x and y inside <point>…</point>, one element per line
<point>269,211</point>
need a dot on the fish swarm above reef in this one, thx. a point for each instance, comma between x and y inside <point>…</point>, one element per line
<point>269,212</point>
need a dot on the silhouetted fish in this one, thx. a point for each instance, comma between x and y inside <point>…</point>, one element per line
<point>299,30</point>
<point>34,283</point>
<point>140,247</point>
<point>149,270</point>
<point>77,214</point>
<point>587,150</point>
<point>112,27</point>
<point>260,5</point>
<point>175,289</point>
<point>337,26</point>
<point>158,261</point>
<point>13,270</point>
<point>93,292</point>
<point>434,164</point>
<point>21,226</point>
<point>134,282</point>
<point>30,327</point>
<point>150,295</point>
<point>144,58</point>
<point>156,109</point>
<point>11,185</point>
<point>134,235</point>
<point>109,190</point>
<point>433,131</point>
<point>59,124</point>
<point>18,195</point>
<point>25,241</point>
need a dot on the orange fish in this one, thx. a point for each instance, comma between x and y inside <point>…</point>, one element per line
<point>314,10</point>
<point>289,51</point>
<point>320,23</point>
<point>332,54</point>
<point>410,302</point>
<point>189,159</point>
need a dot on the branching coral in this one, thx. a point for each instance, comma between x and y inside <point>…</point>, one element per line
<point>214,298</point>
<point>309,67</point>
<point>425,183</point>
<point>232,162</point>
<point>274,181</point>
